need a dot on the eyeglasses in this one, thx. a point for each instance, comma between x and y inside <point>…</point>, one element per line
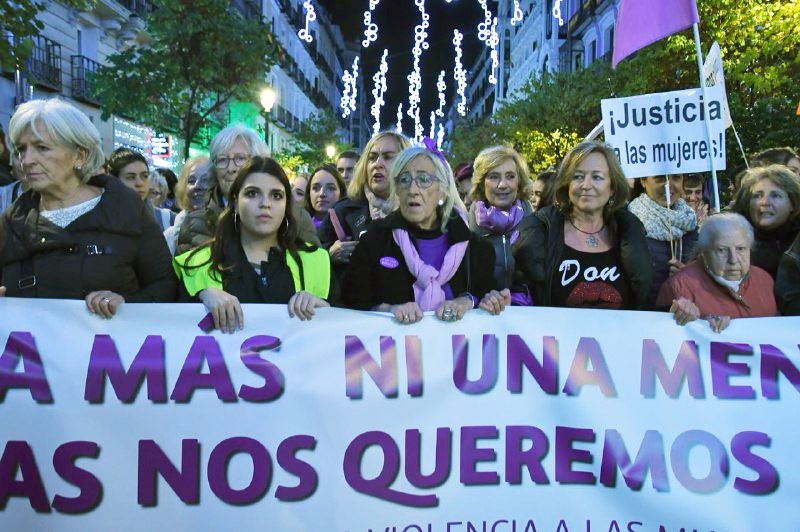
<point>422,180</point>
<point>238,161</point>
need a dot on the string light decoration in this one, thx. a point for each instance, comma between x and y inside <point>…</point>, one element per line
<point>432,134</point>
<point>460,74</point>
<point>370,28</point>
<point>379,91</point>
<point>399,125</point>
<point>441,87</point>
<point>348,102</point>
<point>557,12</point>
<point>494,41</point>
<point>440,137</point>
<point>415,78</point>
<point>311,16</point>
<point>516,18</point>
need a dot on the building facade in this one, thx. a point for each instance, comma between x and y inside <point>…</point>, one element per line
<point>75,43</point>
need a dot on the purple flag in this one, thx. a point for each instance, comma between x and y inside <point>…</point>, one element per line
<point>643,22</point>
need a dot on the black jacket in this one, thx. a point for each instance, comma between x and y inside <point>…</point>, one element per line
<point>541,244</point>
<point>116,246</point>
<point>503,250</point>
<point>369,282</point>
<point>787,281</point>
<point>769,246</point>
<point>354,217</point>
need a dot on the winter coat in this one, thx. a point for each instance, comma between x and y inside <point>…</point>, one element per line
<point>116,246</point>
<point>661,254</point>
<point>541,244</point>
<point>755,297</point>
<point>378,272</point>
<point>354,216</point>
<point>503,253</point>
<point>769,246</point>
<point>787,281</point>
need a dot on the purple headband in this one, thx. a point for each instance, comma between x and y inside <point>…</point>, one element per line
<point>430,145</point>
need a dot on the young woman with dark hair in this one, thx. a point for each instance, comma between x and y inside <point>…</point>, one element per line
<point>257,255</point>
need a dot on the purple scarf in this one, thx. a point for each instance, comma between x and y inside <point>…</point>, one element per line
<point>497,220</point>
<point>428,291</point>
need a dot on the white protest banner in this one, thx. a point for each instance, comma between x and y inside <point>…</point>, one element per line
<point>664,133</point>
<point>715,77</point>
<point>545,420</point>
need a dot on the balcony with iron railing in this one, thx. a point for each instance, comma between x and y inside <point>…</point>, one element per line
<point>250,9</point>
<point>83,70</point>
<point>44,65</point>
<point>139,7</point>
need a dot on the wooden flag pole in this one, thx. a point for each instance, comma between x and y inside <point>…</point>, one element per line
<point>696,30</point>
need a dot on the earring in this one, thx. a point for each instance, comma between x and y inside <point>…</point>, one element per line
<point>77,168</point>
<point>611,202</point>
<point>236,221</point>
<point>441,202</point>
<point>286,221</point>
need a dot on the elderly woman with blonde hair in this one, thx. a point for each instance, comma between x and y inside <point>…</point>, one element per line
<point>421,257</point>
<point>76,234</point>
<point>721,283</point>
<point>194,182</point>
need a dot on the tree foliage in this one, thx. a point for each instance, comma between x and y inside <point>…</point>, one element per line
<point>308,145</point>
<point>202,56</point>
<point>759,42</point>
<point>18,18</point>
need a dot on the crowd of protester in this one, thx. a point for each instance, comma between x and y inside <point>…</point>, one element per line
<point>392,229</point>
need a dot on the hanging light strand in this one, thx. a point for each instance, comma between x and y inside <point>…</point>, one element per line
<point>516,17</point>
<point>460,74</point>
<point>379,91</point>
<point>415,78</point>
<point>311,16</point>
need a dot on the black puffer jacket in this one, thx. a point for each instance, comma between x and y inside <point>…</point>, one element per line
<point>769,246</point>
<point>354,217</point>
<point>503,249</point>
<point>787,281</point>
<point>541,244</point>
<point>116,246</point>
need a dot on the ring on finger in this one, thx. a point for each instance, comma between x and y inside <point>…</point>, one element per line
<point>106,300</point>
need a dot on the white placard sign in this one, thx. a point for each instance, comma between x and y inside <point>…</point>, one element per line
<point>665,133</point>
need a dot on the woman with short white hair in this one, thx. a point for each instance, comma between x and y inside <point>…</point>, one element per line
<point>721,283</point>
<point>76,234</point>
<point>422,257</point>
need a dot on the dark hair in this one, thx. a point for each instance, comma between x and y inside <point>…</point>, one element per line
<point>327,167</point>
<point>693,180</point>
<point>775,156</point>
<point>548,177</point>
<point>170,177</point>
<point>122,157</point>
<point>349,154</point>
<point>5,154</point>
<point>227,231</point>
<point>463,171</point>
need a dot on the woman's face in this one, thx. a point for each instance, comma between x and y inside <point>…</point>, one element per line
<point>299,184</point>
<point>418,192</point>
<point>656,189</point>
<point>379,165</point>
<point>770,206</point>
<point>229,162</point>
<point>729,255</point>
<point>324,192</point>
<point>46,165</point>
<point>590,188</point>
<point>136,177</point>
<point>501,184</point>
<point>536,193</point>
<point>261,205</point>
<point>197,184</point>
<point>794,166</point>
<point>156,195</point>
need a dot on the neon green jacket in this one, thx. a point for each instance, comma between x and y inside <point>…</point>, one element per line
<point>197,274</point>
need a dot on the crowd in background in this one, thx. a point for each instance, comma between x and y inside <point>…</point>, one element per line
<point>393,228</point>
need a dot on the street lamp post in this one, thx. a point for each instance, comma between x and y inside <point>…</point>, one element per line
<point>268,97</point>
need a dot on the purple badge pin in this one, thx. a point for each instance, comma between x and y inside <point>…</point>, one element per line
<point>389,262</point>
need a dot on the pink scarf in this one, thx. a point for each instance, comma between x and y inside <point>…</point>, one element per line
<point>428,291</point>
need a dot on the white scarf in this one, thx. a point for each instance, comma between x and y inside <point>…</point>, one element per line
<point>658,220</point>
<point>379,208</point>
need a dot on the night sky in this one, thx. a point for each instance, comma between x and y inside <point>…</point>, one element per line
<point>396,20</point>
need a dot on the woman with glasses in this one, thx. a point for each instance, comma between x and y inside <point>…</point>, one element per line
<point>229,150</point>
<point>421,257</point>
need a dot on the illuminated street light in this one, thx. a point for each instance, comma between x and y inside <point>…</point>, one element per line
<point>268,97</point>
<point>330,151</point>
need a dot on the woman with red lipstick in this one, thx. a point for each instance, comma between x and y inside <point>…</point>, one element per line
<point>588,250</point>
<point>422,257</point>
<point>324,189</point>
<point>769,198</point>
<point>257,255</point>
<point>368,197</point>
